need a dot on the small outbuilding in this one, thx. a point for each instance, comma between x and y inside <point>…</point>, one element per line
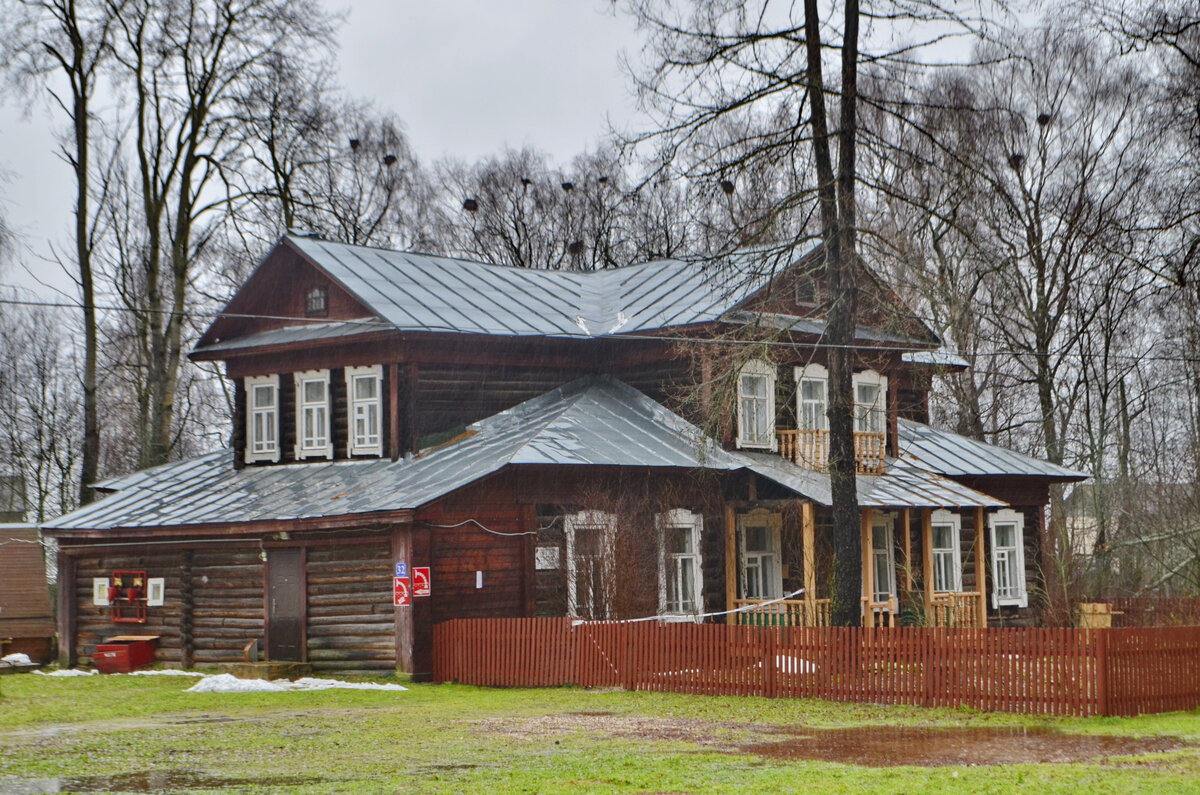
<point>26,620</point>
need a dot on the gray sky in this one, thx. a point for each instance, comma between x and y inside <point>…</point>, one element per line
<point>467,77</point>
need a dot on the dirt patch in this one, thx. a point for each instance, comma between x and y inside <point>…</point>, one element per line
<point>152,781</point>
<point>893,746</point>
<point>873,746</point>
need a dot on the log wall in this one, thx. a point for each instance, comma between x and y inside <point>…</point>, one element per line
<point>351,620</point>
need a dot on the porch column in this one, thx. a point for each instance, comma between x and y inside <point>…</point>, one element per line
<point>868,570</point>
<point>402,553</point>
<point>730,563</point>
<point>980,571</point>
<point>927,559</point>
<point>808,538</point>
<point>908,580</point>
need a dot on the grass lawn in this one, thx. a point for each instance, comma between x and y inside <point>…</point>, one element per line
<point>127,733</point>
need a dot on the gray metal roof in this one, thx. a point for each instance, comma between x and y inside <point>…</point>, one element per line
<point>818,326</point>
<point>901,485</point>
<point>938,358</point>
<point>431,293</point>
<point>593,421</point>
<point>310,332</point>
<point>950,454</point>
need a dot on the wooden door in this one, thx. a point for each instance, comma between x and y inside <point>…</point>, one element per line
<point>285,604</point>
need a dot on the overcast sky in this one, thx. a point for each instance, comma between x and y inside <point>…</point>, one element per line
<point>468,77</point>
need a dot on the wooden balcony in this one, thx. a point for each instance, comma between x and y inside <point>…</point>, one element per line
<point>879,614</point>
<point>960,609</point>
<point>785,613</point>
<point>810,449</point>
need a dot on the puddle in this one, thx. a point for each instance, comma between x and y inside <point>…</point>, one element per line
<point>151,781</point>
<point>892,746</point>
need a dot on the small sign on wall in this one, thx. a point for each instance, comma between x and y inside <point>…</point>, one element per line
<point>400,591</point>
<point>422,582</point>
<point>100,591</point>
<point>402,569</point>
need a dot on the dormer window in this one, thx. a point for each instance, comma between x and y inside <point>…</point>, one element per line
<point>808,292</point>
<point>312,415</point>
<point>756,406</point>
<point>870,396</point>
<point>316,302</point>
<point>364,395</point>
<point>262,418</point>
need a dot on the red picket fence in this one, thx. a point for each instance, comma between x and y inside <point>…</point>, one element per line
<point>1046,671</point>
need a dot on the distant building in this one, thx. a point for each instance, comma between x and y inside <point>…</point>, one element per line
<point>13,504</point>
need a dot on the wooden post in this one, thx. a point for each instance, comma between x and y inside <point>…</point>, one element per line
<point>395,417</point>
<point>402,553</point>
<point>908,581</point>
<point>980,572</point>
<point>528,547</point>
<point>927,559</point>
<point>868,546</point>
<point>808,539</point>
<point>187,642</point>
<point>730,563</point>
<point>66,610</point>
<point>423,554</point>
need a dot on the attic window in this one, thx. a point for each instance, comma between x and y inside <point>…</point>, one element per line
<point>808,292</point>
<point>316,302</point>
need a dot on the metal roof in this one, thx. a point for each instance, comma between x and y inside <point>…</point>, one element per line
<point>818,326</point>
<point>951,454</point>
<point>310,332</point>
<point>431,293</point>
<point>594,421</point>
<point>901,485</point>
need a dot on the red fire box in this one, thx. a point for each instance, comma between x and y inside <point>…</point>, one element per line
<point>124,653</point>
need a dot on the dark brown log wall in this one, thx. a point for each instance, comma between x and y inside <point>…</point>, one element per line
<point>94,624</point>
<point>227,587</point>
<point>351,622</point>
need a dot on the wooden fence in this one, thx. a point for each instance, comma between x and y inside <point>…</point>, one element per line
<point>1047,671</point>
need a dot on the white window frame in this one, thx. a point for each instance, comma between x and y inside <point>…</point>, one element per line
<point>606,524</point>
<point>864,412</point>
<point>314,448</point>
<point>944,518</point>
<point>812,373</point>
<point>1015,559</point>
<point>672,563</point>
<point>886,521</point>
<point>254,450</point>
<point>772,522</point>
<point>757,368</point>
<point>354,403</point>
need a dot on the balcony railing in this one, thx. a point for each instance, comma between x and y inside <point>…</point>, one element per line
<point>879,614</point>
<point>958,609</point>
<point>785,613</point>
<point>810,449</point>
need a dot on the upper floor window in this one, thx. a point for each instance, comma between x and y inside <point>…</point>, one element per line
<point>680,586</point>
<point>1008,558</point>
<point>808,291</point>
<point>756,405</point>
<point>262,418</point>
<point>947,562</point>
<point>313,438</point>
<point>870,402</point>
<point>812,398</point>
<point>316,302</point>
<point>364,396</point>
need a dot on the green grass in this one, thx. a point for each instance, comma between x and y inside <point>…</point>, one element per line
<point>460,739</point>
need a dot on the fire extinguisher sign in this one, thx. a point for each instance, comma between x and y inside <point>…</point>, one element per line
<point>401,592</point>
<point>422,584</point>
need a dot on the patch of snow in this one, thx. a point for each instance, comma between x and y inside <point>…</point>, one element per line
<point>17,659</point>
<point>794,665</point>
<point>68,672</point>
<point>309,683</point>
<point>167,672</point>
<point>228,683</point>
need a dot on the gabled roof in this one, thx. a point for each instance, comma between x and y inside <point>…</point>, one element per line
<point>594,421</point>
<point>959,456</point>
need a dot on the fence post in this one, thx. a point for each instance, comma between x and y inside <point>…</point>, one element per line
<point>1102,683</point>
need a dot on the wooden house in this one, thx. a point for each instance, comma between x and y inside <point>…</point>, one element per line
<point>26,619</point>
<point>419,438</point>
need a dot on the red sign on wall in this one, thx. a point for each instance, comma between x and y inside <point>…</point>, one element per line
<point>422,582</point>
<point>401,592</point>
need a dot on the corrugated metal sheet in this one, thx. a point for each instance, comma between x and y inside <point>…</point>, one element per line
<point>310,332</point>
<point>595,421</point>
<point>24,594</point>
<point>818,326</point>
<point>950,454</point>
<point>430,293</point>
<point>901,485</point>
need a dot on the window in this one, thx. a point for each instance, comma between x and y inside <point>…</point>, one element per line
<point>883,560</point>
<point>762,575</point>
<point>364,395</point>
<point>680,585</point>
<point>870,402</point>
<point>756,406</point>
<point>262,418</point>
<point>316,302</point>
<point>947,562</point>
<point>312,415</point>
<point>590,538</point>
<point>812,396</point>
<point>1008,559</point>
